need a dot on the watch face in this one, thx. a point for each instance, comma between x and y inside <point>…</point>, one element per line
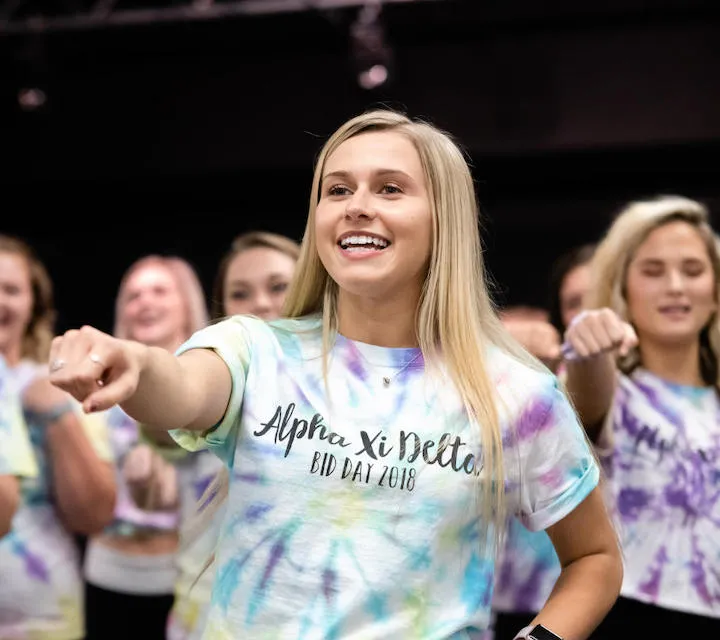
<point>541,633</point>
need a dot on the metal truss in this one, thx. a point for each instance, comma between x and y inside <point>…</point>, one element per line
<point>30,16</point>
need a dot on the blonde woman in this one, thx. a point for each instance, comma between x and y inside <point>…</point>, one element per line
<point>72,491</point>
<point>643,371</point>
<point>130,567</point>
<point>376,438</point>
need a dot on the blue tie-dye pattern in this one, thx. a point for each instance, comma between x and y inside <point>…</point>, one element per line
<point>308,555</point>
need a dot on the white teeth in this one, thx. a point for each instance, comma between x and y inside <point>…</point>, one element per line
<point>363,240</point>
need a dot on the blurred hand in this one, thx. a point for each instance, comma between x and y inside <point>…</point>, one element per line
<point>599,331</point>
<point>537,336</point>
<point>96,369</point>
<point>152,481</point>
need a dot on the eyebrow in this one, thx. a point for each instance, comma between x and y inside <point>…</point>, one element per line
<point>660,261</point>
<point>378,172</point>
<point>272,276</point>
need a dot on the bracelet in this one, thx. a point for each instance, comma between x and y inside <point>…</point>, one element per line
<point>523,633</point>
<point>51,415</point>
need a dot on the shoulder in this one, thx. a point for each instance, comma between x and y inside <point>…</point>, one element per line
<point>520,383</point>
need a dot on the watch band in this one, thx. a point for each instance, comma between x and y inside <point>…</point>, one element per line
<point>536,632</point>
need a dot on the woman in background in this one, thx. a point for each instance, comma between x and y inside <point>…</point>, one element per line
<point>130,568</point>
<point>643,370</point>
<point>73,491</point>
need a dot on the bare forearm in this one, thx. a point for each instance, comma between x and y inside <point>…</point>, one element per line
<point>186,392</point>
<point>584,593</point>
<point>9,500</point>
<point>84,485</point>
<point>591,385</point>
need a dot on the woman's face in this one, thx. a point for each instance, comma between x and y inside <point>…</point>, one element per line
<point>670,285</point>
<point>154,310</point>
<point>572,292</point>
<point>373,221</point>
<point>16,300</point>
<point>256,282</point>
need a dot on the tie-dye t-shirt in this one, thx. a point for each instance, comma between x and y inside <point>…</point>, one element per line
<point>528,566</point>
<point>353,512</point>
<point>194,586</point>
<point>16,455</point>
<point>663,467</point>
<point>41,588</point>
<point>527,570</point>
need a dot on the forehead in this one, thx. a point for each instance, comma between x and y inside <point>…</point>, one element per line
<point>259,262</point>
<point>151,276</point>
<point>387,150</point>
<point>673,240</point>
<point>13,265</point>
<point>577,278</point>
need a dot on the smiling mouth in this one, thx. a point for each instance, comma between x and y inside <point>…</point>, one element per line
<point>675,309</point>
<point>363,243</point>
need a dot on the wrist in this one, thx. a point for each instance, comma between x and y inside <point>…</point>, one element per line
<point>141,353</point>
<point>536,632</point>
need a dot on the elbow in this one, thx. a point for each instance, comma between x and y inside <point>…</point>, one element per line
<point>616,572</point>
<point>9,503</point>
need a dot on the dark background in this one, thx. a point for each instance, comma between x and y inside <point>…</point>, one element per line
<point>174,137</point>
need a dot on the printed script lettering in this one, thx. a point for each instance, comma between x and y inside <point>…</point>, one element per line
<point>363,462</point>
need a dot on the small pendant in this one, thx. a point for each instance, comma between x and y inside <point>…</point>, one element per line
<point>386,381</point>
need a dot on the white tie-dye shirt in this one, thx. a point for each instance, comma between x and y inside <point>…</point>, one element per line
<point>343,518</point>
<point>41,588</point>
<point>16,456</point>
<point>664,478</point>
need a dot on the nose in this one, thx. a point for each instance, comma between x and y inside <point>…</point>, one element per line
<point>262,305</point>
<point>676,281</point>
<point>359,206</point>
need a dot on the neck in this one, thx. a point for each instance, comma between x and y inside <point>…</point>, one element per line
<point>675,363</point>
<point>12,354</point>
<point>385,323</point>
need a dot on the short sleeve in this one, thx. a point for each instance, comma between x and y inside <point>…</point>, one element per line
<point>230,340</point>
<point>16,454</point>
<point>557,466</point>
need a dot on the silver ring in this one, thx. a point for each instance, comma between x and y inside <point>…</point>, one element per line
<point>94,357</point>
<point>57,364</point>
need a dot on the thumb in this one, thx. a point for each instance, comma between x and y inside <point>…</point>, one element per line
<point>629,341</point>
<point>112,392</point>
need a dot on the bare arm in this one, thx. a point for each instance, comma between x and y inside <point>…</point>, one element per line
<point>591,385</point>
<point>83,484</point>
<point>595,338</point>
<point>9,501</point>
<point>190,391</point>
<point>592,571</point>
<point>158,389</point>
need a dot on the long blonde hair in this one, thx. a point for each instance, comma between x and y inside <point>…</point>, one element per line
<point>456,319</point>
<point>40,329</point>
<point>612,258</point>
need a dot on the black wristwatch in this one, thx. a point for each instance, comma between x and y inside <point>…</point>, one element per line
<point>538,632</point>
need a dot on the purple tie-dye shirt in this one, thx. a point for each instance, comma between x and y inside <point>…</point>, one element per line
<point>663,462</point>
<point>344,519</point>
